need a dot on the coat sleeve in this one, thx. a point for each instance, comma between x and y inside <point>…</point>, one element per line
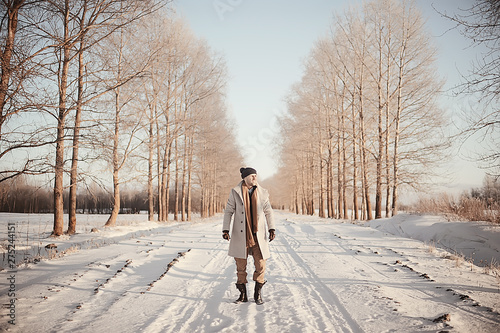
<point>229,211</point>
<point>268,211</point>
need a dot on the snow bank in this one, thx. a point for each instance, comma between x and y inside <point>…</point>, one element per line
<point>33,239</point>
<point>477,241</point>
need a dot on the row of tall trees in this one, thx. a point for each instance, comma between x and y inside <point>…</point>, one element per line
<point>113,87</point>
<point>364,120</point>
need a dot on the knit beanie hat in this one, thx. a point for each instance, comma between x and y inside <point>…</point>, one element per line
<point>247,171</point>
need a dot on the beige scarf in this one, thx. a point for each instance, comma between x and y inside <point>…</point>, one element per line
<point>252,226</point>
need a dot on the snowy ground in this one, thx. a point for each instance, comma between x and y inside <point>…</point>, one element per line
<point>323,276</point>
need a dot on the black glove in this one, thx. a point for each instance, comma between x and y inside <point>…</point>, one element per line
<point>271,235</point>
<point>225,234</point>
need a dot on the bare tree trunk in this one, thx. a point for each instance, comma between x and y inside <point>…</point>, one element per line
<point>364,155</point>
<point>213,195</point>
<point>164,188</point>
<point>183,188</point>
<point>61,119</point>
<point>116,137</point>
<point>338,215</point>
<point>329,188</point>
<point>401,65</point>
<point>294,201</point>
<point>312,185</point>
<point>203,178</point>
<point>76,145</point>
<point>176,180</point>
<point>304,189</point>
<point>396,146</point>
<point>153,122</point>
<point>329,176</point>
<point>344,167</point>
<point>76,131</point>
<point>202,202</point>
<point>6,56</point>
<point>204,197</point>
<point>58,182</point>
<point>159,170</point>
<point>166,208</point>
<point>116,180</point>
<point>354,163</point>
<point>321,183</point>
<point>387,137</point>
<point>189,185</point>
<point>150,166</point>
<point>379,157</point>
<point>165,178</point>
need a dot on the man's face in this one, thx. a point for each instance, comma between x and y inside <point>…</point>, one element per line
<point>251,180</point>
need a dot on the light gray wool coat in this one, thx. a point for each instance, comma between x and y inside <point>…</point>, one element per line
<point>235,206</point>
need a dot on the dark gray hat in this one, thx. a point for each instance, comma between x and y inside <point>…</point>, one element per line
<point>247,171</point>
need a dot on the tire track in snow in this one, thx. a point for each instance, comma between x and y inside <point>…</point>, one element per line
<point>139,268</point>
<point>80,281</point>
<point>194,293</point>
<point>440,292</point>
<point>317,298</point>
<point>141,309</point>
<point>339,242</point>
<point>415,290</point>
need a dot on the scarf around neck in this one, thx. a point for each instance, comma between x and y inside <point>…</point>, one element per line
<point>250,203</point>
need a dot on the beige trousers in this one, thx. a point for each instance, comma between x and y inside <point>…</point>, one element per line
<point>260,266</point>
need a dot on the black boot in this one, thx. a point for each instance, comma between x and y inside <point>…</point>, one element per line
<point>257,293</point>
<point>243,293</point>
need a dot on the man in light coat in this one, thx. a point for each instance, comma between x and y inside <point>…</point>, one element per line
<point>250,206</point>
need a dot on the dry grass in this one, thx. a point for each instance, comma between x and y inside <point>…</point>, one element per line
<point>464,208</point>
<point>493,268</point>
<point>458,258</point>
<point>431,247</point>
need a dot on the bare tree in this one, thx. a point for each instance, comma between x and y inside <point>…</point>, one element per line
<point>19,54</point>
<point>125,68</point>
<point>64,54</point>
<point>481,24</point>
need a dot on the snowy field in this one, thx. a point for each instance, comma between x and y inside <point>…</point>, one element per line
<point>404,274</point>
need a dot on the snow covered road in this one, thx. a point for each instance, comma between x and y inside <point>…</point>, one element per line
<point>323,276</point>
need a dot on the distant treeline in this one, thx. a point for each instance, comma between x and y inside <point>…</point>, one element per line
<point>16,196</point>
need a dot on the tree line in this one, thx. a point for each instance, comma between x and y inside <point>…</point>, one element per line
<point>364,119</point>
<point>19,195</point>
<point>119,90</point>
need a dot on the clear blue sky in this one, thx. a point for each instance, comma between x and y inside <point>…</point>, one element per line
<point>264,44</point>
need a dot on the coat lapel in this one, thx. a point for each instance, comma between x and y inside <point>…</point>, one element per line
<point>237,189</point>
<point>259,203</point>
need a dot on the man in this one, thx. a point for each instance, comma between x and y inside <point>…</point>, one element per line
<point>249,203</point>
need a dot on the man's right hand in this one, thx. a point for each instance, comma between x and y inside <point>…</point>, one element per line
<point>225,235</point>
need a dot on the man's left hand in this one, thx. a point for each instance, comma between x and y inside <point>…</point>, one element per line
<point>271,235</point>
